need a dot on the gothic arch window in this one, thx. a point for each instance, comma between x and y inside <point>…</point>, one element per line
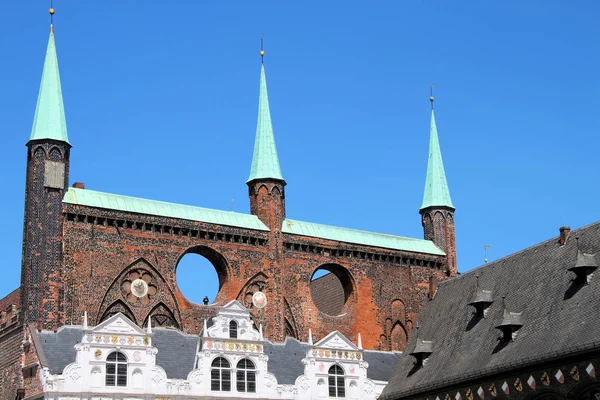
<point>337,386</point>
<point>116,369</point>
<point>220,375</point>
<point>246,376</point>
<point>233,329</point>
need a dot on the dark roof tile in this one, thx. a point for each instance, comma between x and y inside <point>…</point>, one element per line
<point>558,317</point>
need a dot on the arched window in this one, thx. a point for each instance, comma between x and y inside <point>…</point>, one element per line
<point>337,387</point>
<point>246,376</point>
<point>233,329</point>
<point>116,369</point>
<point>220,375</point>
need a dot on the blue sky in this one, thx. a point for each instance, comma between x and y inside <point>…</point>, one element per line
<point>161,102</point>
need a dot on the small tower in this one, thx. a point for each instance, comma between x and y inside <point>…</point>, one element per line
<point>266,186</point>
<point>437,211</point>
<point>47,178</point>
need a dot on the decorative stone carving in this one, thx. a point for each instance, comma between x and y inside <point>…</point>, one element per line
<point>138,287</point>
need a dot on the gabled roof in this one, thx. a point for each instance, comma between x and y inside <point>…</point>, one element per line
<point>360,237</point>
<point>91,198</point>
<point>265,162</point>
<point>49,121</point>
<point>559,318</point>
<point>436,187</point>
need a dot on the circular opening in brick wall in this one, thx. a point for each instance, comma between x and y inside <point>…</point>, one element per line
<point>201,272</point>
<point>331,288</point>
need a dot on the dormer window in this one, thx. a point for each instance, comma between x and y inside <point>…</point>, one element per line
<point>482,300</point>
<point>233,329</point>
<point>511,323</point>
<point>422,351</point>
<point>337,386</point>
<point>116,369</point>
<point>585,265</point>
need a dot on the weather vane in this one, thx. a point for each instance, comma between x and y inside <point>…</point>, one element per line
<point>262,50</point>
<point>487,246</point>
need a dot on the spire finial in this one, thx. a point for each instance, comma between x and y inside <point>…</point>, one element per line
<point>262,50</point>
<point>431,98</point>
<point>51,11</point>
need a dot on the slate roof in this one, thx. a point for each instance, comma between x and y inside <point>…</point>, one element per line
<point>176,351</point>
<point>59,347</point>
<point>285,361</point>
<point>328,294</point>
<point>559,318</point>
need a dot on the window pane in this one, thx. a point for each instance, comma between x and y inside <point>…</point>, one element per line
<point>341,391</point>
<point>110,368</point>
<point>331,391</point>
<point>122,369</point>
<point>226,375</point>
<point>215,374</point>
<point>240,385</point>
<point>110,380</point>
<point>121,380</point>
<point>121,357</point>
<point>215,385</point>
<point>251,387</point>
<point>111,357</point>
<point>226,387</point>
<point>251,376</point>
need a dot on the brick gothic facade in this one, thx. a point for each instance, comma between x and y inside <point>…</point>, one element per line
<point>82,256</point>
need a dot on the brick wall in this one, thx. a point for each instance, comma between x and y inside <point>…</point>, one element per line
<point>102,247</point>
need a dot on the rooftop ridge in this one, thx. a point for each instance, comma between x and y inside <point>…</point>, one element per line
<point>366,238</point>
<point>355,230</point>
<point>92,198</point>
<point>522,251</point>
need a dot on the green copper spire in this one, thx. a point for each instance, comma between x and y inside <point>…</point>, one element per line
<point>49,121</point>
<point>436,187</point>
<point>265,162</point>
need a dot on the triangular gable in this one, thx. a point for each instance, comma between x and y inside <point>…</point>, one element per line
<point>119,323</point>
<point>336,340</point>
<point>235,306</point>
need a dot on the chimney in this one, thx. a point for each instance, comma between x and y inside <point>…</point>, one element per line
<point>564,235</point>
<point>433,284</point>
<point>79,185</point>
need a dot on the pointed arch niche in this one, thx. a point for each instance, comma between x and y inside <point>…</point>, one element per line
<point>138,288</point>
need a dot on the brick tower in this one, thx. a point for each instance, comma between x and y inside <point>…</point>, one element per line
<point>47,179</point>
<point>437,211</point>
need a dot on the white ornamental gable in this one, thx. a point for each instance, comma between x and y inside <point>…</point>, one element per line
<point>337,341</point>
<point>119,324</point>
